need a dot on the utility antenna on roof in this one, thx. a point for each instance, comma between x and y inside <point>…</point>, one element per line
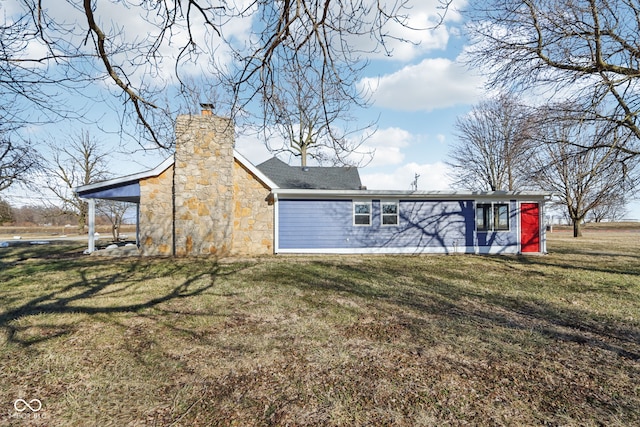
<point>414,183</point>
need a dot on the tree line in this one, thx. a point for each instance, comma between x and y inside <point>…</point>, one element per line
<point>505,145</point>
<point>571,69</point>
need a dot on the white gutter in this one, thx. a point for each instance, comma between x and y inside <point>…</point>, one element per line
<point>433,195</point>
<point>127,178</point>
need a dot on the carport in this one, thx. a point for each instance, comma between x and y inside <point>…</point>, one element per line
<point>122,189</point>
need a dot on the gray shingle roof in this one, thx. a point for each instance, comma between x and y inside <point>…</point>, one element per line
<point>313,177</point>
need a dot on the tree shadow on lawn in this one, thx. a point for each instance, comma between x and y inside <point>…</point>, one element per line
<point>119,280</point>
<point>435,295</point>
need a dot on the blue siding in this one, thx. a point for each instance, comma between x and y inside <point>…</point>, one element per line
<point>328,224</point>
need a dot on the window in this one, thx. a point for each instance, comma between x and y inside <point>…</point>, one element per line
<point>501,217</point>
<point>389,213</point>
<point>492,217</point>
<point>483,217</point>
<point>362,213</point>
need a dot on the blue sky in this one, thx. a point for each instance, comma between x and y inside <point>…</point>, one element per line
<point>419,93</point>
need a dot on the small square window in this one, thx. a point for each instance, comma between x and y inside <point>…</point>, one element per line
<point>362,213</point>
<point>389,213</point>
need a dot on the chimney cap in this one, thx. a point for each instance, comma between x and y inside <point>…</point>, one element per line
<point>207,109</point>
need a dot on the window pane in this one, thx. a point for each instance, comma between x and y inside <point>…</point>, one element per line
<point>482,217</point>
<point>389,208</point>
<point>390,219</point>
<point>501,213</point>
<point>362,208</point>
<point>362,213</point>
<point>362,219</point>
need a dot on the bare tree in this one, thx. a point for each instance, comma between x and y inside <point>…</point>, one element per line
<point>81,161</point>
<point>612,210</point>
<point>494,141</point>
<point>65,48</point>
<point>18,160</point>
<point>6,212</point>
<point>313,124</point>
<point>581,180</point>
<point>114,211</point>
<point>584,51</point>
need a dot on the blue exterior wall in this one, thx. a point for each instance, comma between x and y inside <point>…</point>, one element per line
<point>442,225</point>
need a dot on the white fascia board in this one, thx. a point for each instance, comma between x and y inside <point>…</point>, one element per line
<point>254,170</point>
<point>399,194</point>
<point>164,166</point>
<point>128,178</point>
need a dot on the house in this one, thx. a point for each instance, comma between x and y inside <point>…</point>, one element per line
<point>208,199</point>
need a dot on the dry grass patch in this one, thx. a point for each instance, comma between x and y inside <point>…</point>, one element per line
<point>380,340</point>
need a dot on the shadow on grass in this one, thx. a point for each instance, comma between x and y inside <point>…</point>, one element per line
<point>433,294</point>
<point>100,278</point>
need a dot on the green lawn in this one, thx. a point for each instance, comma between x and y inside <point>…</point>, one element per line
<point>354,340</point>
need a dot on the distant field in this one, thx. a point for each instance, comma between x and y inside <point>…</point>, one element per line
<point>8,232</point>
<point>344,341</point>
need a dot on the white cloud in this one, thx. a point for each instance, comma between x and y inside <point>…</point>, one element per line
<point>387,144</point>
<point>426,28</point>
<point>431,84</point>
<point>433,177</point>
<point>252,148</point>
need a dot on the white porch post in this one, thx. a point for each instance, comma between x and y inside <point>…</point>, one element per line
<point>92,226</point>
<point>138,224</point>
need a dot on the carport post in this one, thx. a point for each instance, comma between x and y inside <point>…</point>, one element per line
<point>92,225</point>
<point>138,224</point>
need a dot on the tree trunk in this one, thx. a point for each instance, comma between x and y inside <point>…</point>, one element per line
<point>577,231</point>
<point>82,217</point>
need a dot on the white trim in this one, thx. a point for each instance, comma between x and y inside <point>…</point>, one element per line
<point>276,224</point>
<point>395,203</point>
<point>542,230</point>
<point>164,166</point>
<point>128,178</point>
<point>353,212</point>
<point>492,222</point>
<point>494,196</point>
<point>91,241</point>
<point>511,250</point>
<point>255,171</point>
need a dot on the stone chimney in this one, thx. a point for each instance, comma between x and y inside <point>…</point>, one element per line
<point>203,184</point>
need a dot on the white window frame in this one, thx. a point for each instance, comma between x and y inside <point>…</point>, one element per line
<point>396,215</point>
<point>355,214</point>
<point>492,225</point>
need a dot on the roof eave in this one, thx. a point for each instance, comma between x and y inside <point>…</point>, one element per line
<point>400,194</point>
<point>255,171</point>
<point>127,178</point>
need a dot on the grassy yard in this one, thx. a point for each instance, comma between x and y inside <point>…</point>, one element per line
<point>357,340</point>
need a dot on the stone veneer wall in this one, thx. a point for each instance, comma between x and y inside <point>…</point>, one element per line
<point>253,214</point>
<point>203,185</point>
<point>156,214</point>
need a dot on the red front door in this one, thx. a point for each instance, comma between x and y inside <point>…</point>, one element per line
<point>530,227</point>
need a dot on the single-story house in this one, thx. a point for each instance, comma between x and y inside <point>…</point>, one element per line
<point>207,199</point>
